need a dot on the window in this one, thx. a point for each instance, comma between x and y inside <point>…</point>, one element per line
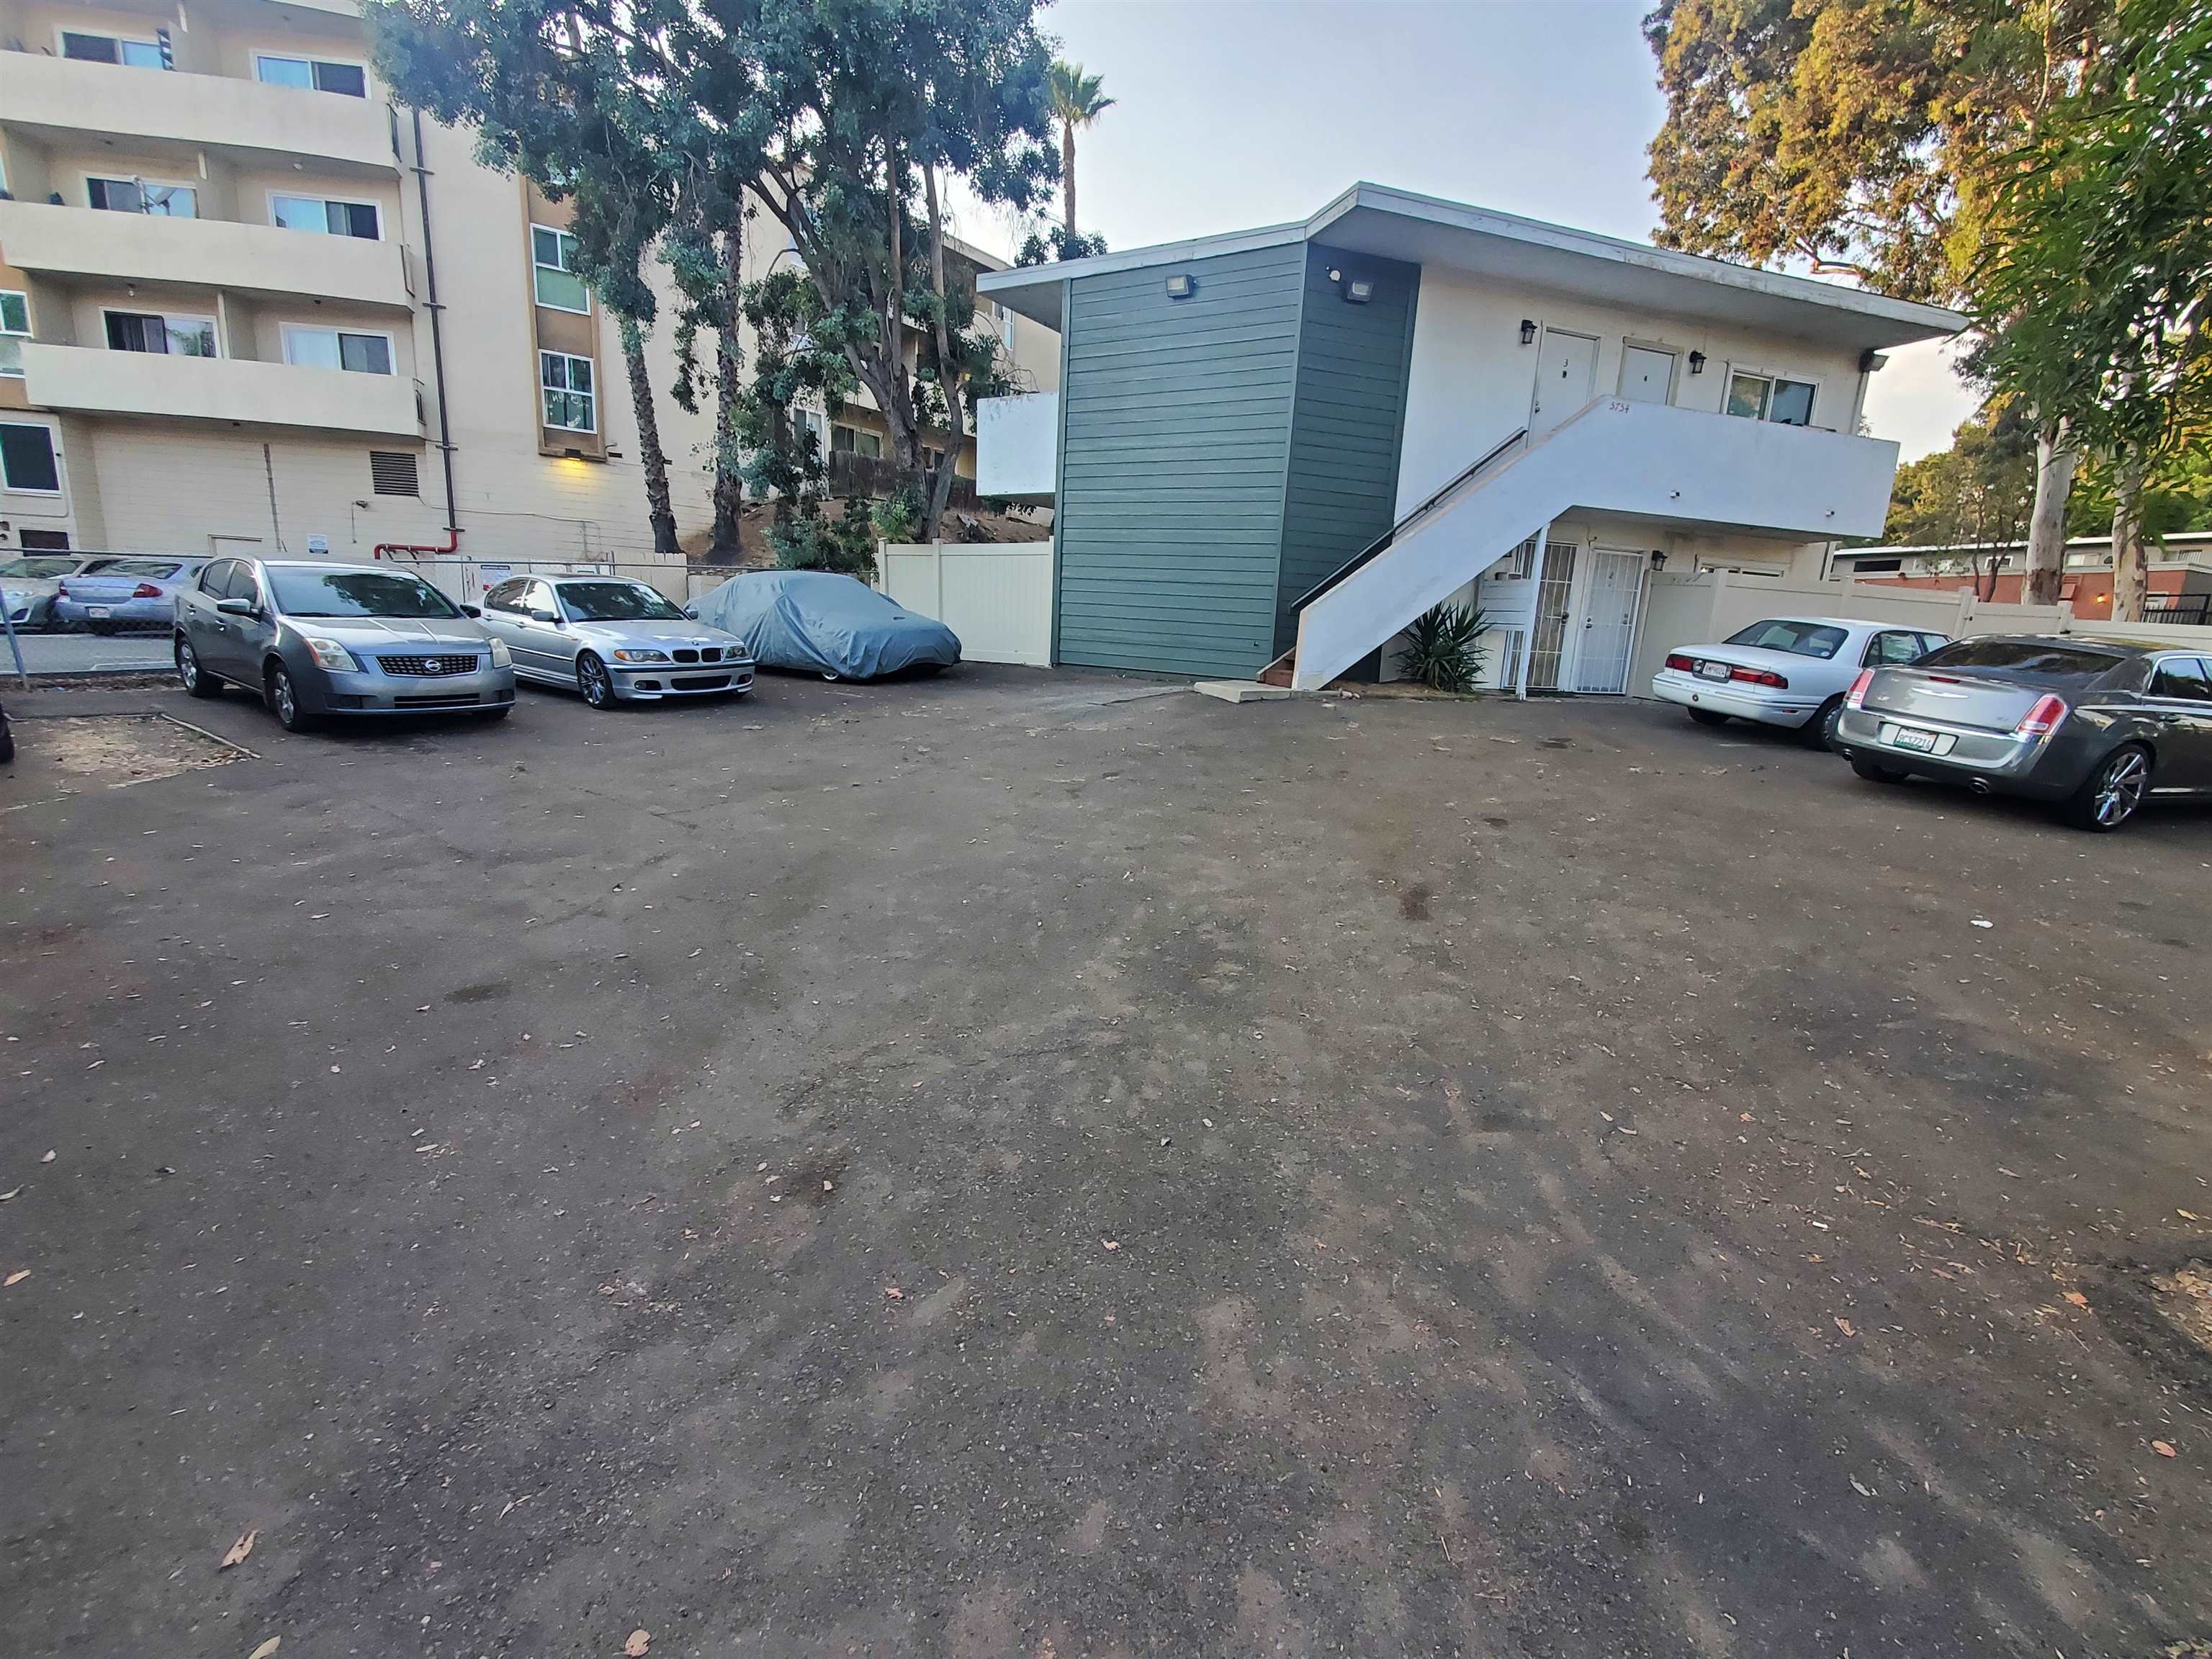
<point>2057,665</point>
<point>179,337</point>
<point>52,541</point>
<point>327,216</point>
<point>1890,649</point>
<point>337,347</point>
<point>349,79</point>
<point>617,601</point>
<point>1799,639</point>
<point>553,271</point>
<point>537,600</point>
<point>1764,398</point>
<point>306,593</point>
<point>808,421</point>
<point>508,596</point>
<point>111,49</point>
<point>38,569</point>
<point>137,195</point>
<point>26,460</point>
<point>567,384</point>
<point>392,472</point>
<point>2182,678</point>
<point>212,578</point>
<point>14,329</point>
<point>851,440</point>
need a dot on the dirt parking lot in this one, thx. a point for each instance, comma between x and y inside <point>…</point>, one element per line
<point>1047,1165</point>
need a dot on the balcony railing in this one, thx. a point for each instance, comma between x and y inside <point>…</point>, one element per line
<point>234,390</point>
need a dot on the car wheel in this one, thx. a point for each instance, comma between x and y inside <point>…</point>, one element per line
<point>1875,772</point>
<point>7,741</point>
<point>499,713</point>
<point>1709,717</point>
<point>1819,731</point>
<point>592,680</point>
<point>284,700</point>
<point>197,681</point>
<point>2113,792</point>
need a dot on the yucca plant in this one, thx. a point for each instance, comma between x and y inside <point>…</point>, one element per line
<point>1442,647</point>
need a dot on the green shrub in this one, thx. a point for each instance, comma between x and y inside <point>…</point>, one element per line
<point>1441,648</point>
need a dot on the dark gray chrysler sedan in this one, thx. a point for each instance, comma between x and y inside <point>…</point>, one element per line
<point>315,639</point>
<point>2096,726</point>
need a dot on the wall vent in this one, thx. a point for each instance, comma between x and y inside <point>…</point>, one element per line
<point>391,472</point>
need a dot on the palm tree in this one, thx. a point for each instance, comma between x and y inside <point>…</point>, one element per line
<point>1075,103</point>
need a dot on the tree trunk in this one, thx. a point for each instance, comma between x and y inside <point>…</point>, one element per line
<point>1068,175</point>
<point>948,382</point>
<point>2130,577</point>
<point>2046,519</point>
<point>659,511</point>
<point>728,545</point>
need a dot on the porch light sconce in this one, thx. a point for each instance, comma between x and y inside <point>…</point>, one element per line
<point>1180,286</point>
<point>1658,559</point>
<point>1697,362</point>
<point>1357,291</point>
<point>1527,332</point>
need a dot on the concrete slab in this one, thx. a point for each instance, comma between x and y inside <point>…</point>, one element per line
<point>1240,690</point>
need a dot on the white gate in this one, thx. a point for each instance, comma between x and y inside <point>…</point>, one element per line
<point>996,595</point>
<point>1613,587</point>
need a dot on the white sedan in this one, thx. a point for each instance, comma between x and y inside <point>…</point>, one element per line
<point>1787,670</point>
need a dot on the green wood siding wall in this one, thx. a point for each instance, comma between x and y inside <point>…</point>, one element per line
<point>1351,413</point>
<point>1176,440</point>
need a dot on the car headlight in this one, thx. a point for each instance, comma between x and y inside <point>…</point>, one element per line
<point>329,653</point>
<point>499,658</point>
<point>640,656</point>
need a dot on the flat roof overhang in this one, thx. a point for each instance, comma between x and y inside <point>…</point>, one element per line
<point>1427,231</point>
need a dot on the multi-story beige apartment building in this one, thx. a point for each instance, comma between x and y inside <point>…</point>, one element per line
<point>249,303</point>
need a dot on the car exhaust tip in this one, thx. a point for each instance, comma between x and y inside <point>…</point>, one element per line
<point>1979,786</point>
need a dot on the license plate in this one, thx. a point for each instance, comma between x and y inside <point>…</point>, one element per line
<point>99,610</point>
<point>1712,670</point>
<point>1924,742</point>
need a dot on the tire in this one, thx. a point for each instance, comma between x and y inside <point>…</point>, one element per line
<point>1709,717</point>
<point>499,713</point>
<point>1819,731</point>
<point>7,741</point>
<point>2111,794</point>
<point>1875,772</point>
<point>284,697</point>
<point>196,681</point>
<point>594,683</point>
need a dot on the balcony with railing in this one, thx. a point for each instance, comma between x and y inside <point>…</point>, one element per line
<point>232,390</point>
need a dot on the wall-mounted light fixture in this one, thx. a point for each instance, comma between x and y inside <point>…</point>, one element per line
<point>1528,332</point>
<point>1697,362</point>
<point>1358,291</point>
<point>1180,287</point>
<point>1658,559</point>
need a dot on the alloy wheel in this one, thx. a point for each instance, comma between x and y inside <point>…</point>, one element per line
<point>592,679</point>
<point>2120,788</point>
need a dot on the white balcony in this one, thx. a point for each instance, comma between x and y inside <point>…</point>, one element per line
<point>57,99</point>
<point>231,390</point>
<point>1017,446</point>
<point>72,243</point>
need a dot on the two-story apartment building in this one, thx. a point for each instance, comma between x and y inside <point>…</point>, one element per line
<point>249,303</point>
<point>1517,415</point>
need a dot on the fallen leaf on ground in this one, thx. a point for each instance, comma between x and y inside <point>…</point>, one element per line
<point>46,1159</point>
<point>19,1276</point>
<point>638,1642</point>
<point>1844,1326</point>
<point>266,1648</point>
<point>891,1292</point>
<point>2163,1449</point>
<point>239,1551</point>
<point>2077,1299</point>
<point>10,1193</point>
<point>1111,1243</point>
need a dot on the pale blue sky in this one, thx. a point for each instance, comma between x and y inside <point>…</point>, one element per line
<point>1233,113</point>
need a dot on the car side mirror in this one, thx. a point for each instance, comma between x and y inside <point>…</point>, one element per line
<point>471,611</point>
<point>544,617</point>
<point>235,607</point>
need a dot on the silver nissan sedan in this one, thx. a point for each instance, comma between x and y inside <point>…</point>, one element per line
<point>612,641</point>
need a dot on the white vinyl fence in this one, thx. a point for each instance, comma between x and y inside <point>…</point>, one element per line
<point>996,595</point>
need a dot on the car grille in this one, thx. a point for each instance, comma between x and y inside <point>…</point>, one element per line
<point>701,682</point>
<point>712,654</point>
<point>469,700</point>
<point>428,665</point>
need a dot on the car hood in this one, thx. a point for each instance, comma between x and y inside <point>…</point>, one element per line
<point>661,635</point>
<point>1753,656</point>
<point>383,633</point>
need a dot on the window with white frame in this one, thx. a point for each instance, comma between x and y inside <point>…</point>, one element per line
<point>175,336</point>
<point>337,347</point>
<point>1770,398</point>
<point>571,405</point>
<point>327,216</point>
<point>27,461</point>
<point>851,440</point>
<point>141,195</point>
<point>315,74</point>
<point>553,271</point>
<point>14,329</point>
<point>90,48</point>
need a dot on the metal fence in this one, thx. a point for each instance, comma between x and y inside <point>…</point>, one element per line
<point>2179,610</point>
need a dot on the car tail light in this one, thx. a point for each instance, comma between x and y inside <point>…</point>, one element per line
<point>1759,676</point>
<point>1855,697</point>
<point>2043,720</point>
<point>145,590</point>
<point>1680,664</point>
<point>61,590</point>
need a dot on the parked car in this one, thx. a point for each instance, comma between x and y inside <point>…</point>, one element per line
<point>120,592</point>
<point>315,639</point>
<point>2096,726</point>
<point>29,583</point>
<point>612,640</point>
<point>819,622</point>
<point>1787,670</point>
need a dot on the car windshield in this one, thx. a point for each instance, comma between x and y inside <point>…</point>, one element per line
<point>37,568</point>
<point>135,567</point>
<point>1799,639</point>
<point>616,602</point>
<point>356,593</point>
<point>2038,660</point>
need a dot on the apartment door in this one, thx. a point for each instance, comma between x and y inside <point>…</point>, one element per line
<point>1647,374</point>
<point>1613,584</point>
<point>1550,638</point>
<point>1566,369</point>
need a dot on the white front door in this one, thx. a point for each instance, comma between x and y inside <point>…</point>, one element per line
<point>1647,374</point>
<point>1566,369</point>
<point>1613,583</point>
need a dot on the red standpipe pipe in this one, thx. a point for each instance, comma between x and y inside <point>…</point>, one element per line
<point>451,544</point>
